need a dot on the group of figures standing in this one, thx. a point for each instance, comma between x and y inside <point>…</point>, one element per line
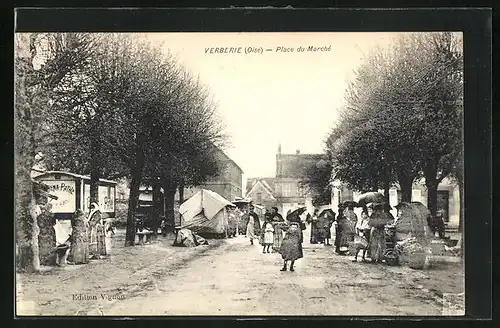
<point>276,235</point>
<point>84,240</point>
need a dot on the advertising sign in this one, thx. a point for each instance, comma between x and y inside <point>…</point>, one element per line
<point>65,192</point>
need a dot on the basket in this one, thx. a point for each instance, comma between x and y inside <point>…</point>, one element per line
<point>417,260</point>
<point>360,242</point>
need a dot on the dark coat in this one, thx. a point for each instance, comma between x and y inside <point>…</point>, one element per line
<point>256,222</point>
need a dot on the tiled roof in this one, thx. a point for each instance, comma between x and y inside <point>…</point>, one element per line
<point>295,165</point>
<point>268,183</point>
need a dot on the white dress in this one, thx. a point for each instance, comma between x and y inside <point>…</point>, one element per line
<point>268,233</point>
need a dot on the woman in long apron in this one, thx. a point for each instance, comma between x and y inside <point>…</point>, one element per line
<point>278,230</point>
<point>79,238</point>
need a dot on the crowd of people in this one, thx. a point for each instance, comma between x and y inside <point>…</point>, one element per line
<point>364,236</point>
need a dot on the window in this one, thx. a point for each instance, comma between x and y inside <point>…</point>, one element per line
<point>416,195</point>
<point>259,198</point>
<point>287,190</point>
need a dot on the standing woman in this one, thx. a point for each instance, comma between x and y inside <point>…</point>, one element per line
<point>278,230</point>
<point>352,220</point>
<point>291,247</point>
<point>97,236</point>
<point>378,219</point>
<point>253,225</point>
<point>314,227</point>
<point>79,238</point>
<point>338,228</point>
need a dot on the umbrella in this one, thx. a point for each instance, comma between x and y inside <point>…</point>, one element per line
<point>370,197</point>
<point>295,214</point>
<point>329,212</point>
<point>384,205</point>
<point>350,203</point>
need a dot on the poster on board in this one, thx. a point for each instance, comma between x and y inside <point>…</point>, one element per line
<point>65,192</point>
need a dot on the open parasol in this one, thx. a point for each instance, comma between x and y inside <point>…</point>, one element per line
<point>326,210</point>
<point>350,203</point>
<point>370,197</point>
<point>382,205</point>
<point>294,216</point>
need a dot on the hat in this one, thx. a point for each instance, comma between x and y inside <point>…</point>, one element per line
<point>375,205</point>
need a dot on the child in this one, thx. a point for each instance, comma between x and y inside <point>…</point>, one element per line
<point>268,235</point>
<point>363,231</point>
<point>291,247</point>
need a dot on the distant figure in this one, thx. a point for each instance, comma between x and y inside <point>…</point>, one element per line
<point>324,225</point>
<point>313,220</point>
<point>79,238</point>
<point>278,231</point>
<point>351,223</point>
<point>340,230</point>
<point>377,221</point>
<point>97,234</point>
<point>253,225</point>
<point>291,247</point>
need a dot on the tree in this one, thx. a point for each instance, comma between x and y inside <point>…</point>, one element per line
<point>404,106</point>
<point>316,180</point>
<point>42,61</point>
<point>440,92</point>
<point>78,132</point>
<point>186,155</point>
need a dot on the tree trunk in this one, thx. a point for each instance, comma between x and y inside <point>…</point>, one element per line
<point>181,192</point>
<point>27,230</point>
<point>406,185</point>
<point>94,170</point>
<point>169,190</point>
<point>156,209</point>
<point>461,216</point>
<point>432,187</point>
<point>461,213</point>
<point>132,208</point>
<point>387,187</point>
<point>134,194</point>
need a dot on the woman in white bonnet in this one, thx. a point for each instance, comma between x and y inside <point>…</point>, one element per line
<point>97,233</point>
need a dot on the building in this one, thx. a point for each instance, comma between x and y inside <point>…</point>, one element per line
<point>228,184</point>
<point>283,190</point>
<point>261,191</point>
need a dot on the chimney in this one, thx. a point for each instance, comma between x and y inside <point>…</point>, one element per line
<point>279,148</point>
<point>297,152</point>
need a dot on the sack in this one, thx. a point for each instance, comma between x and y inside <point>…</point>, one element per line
<point>360,242</point>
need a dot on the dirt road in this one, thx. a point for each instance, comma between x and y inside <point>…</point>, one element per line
<point>237,279</point>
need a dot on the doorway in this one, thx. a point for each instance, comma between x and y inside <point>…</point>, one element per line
<point>443,204</point>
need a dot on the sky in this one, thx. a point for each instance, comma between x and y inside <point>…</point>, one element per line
<point>273,97</point>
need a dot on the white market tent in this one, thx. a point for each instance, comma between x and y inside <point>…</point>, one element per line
<point>205,212</point>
